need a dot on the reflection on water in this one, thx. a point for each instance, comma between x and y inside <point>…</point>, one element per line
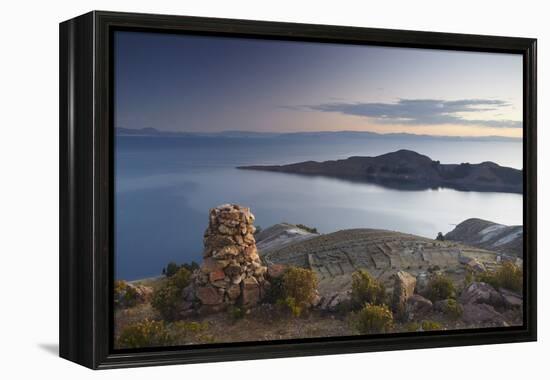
<point>165,187</point>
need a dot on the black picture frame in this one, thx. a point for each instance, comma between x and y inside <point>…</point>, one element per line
<point>86,188</point>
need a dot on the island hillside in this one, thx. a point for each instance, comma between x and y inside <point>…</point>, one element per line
<point>289,281</point>
<point>408,170</point>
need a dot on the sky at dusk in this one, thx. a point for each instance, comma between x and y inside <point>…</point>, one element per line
<point>211,84</point>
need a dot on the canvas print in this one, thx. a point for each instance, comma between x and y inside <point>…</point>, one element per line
<point>277,190</point>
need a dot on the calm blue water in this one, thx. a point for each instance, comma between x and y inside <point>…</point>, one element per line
<point>165,187</point>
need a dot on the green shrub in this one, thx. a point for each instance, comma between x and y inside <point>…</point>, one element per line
<point>167,298</point>
<point>275,292</point>
<point>453,309</point>
<point>125,295</point>
<point>373,319</point>
<point>306,228</point>
<point>508,276</point>
<point>146,333</point>
<point>172,268</point>
<point>300,284</point>
<point>412,327</point>
<point>440,287</point>
<point>468,278</point>
<point>295,290</point>
<point>183,329</point>
<point>440,237</point>
<point>191,267</point>
<point>289,304</point>
<point>236,312</point>
<point>431,326</point>
<point>181,278</point>
<point>365,289</point>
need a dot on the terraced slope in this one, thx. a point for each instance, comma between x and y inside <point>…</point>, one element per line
<point>337,255</point>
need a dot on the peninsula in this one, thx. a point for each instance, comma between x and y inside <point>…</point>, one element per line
<point>409,170</point>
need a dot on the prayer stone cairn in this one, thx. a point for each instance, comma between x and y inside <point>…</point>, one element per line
<point>232,272</point>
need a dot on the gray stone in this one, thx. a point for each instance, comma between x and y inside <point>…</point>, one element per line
<point>479,293</point>
<point>417,307</point>
<point>482,314</point>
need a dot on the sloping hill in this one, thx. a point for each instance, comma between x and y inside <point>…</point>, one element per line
<point>280,235</point>
<point>489,235</point>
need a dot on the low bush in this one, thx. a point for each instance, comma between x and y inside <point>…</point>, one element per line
<point>468,278</point>
<point>373,319</point>
<point>453,309</point>
<point>181,330</point>
<point>312,230</point>
<point>167,298</point>
<point>125,295</point>
<point>299,284</point>
<point>412,327</point>
<point>146,333</point>
<point>172,268</point>
<point>440,287</point>
<point>294,291</point>
<point>431,326</point>
<point>508,276</point>
<point>236,312</point>
<point>289,304</point>
<point>275,292</point>
<point>365,289</point>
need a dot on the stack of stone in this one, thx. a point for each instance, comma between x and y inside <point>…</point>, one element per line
<point>232,272</point>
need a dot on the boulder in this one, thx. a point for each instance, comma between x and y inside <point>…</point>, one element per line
<point>422,281</point>
<point>511,299</point>
<point>250,291</point>
<point>216,275</point>
<point>417,307</point>
<point>233,270</point>
<point>334,301</point>
<point>475,266</point>
<point>482,314</point>
<point>233,292</point>
<point>403,289</point>
<point>210,265</point>
<point>481,293</point>
<point>209,295</point>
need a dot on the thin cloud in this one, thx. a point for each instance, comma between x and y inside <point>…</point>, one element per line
<point>423,111</point>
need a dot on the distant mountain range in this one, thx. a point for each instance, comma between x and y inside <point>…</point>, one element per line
<point>153,132</point>
<point>408,170</point>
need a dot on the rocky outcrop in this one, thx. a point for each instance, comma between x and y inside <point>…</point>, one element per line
<point>232,272</point>
<point>403,289</point>
<point>484,305</point>
<point>128,294</point>
<point>507,240</point>
<point>481,293</point>
<point>405,169</point>
<point>482,315</point>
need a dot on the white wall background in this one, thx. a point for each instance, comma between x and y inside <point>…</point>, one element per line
<point>29,187</point>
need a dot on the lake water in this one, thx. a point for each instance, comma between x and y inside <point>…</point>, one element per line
<point>166,186</point>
